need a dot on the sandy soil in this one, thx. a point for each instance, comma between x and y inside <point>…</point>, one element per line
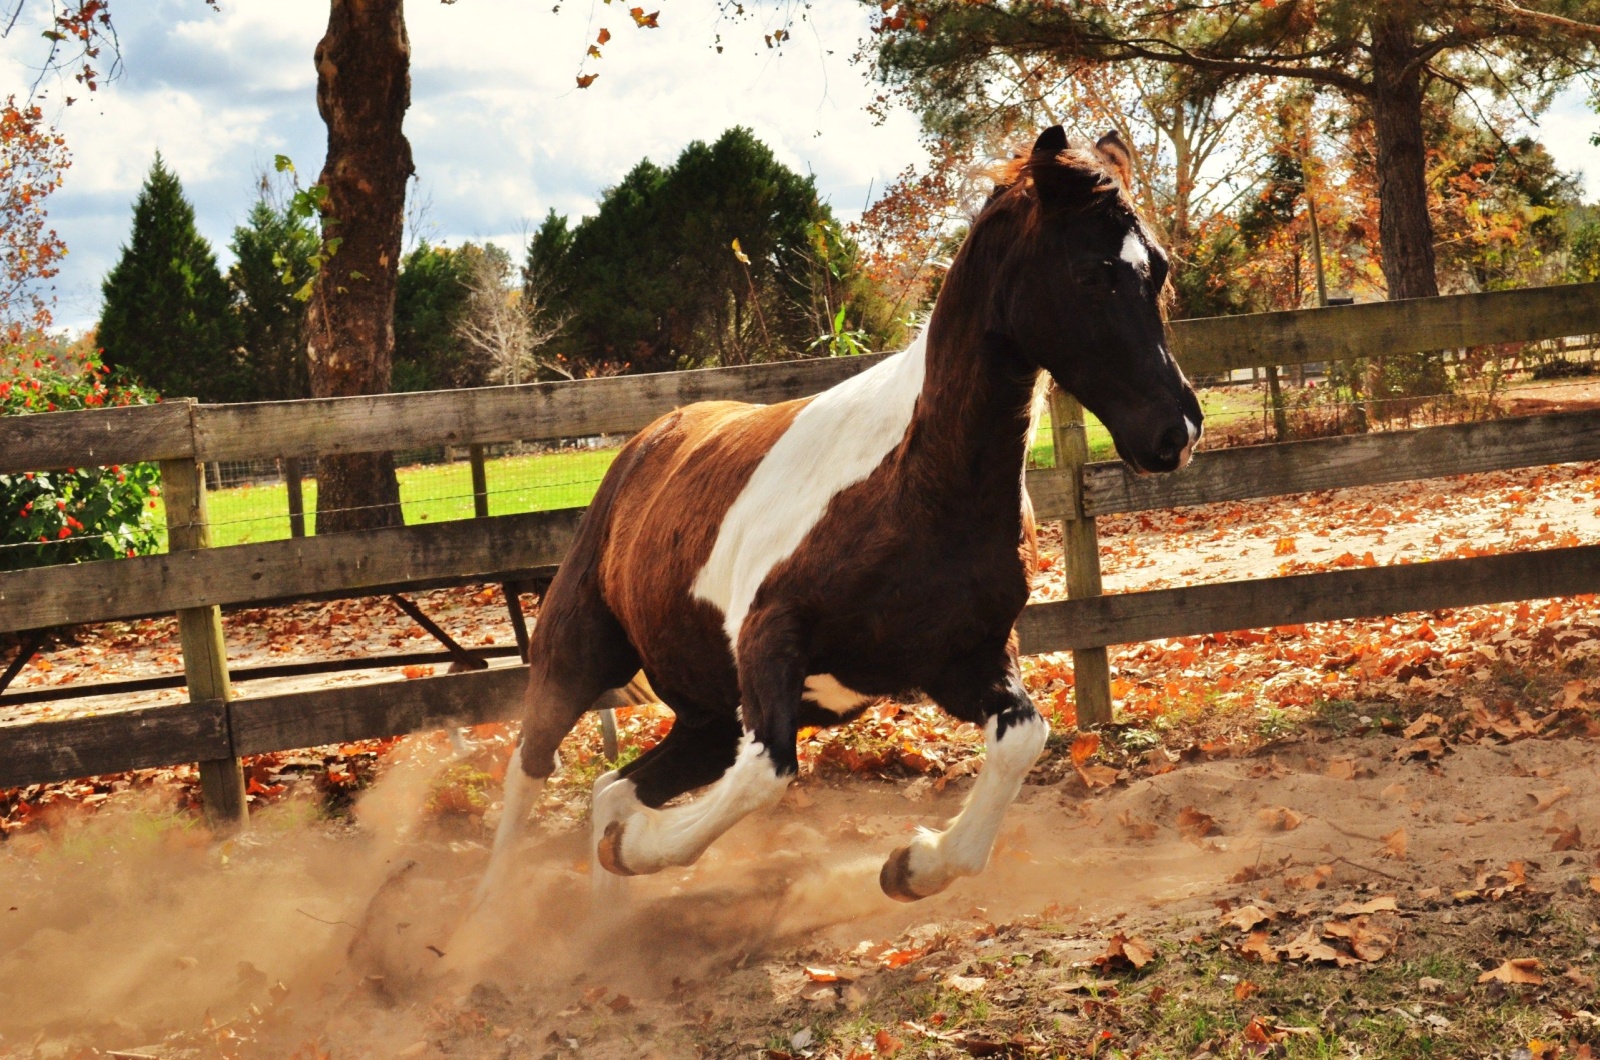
<point>127,933</point>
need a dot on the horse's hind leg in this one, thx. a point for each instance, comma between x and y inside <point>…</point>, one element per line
<point>750,778</point>
<point>578,652</point>
<point>988,692</point>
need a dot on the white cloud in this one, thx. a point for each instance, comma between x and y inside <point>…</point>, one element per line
<point>499,130</point>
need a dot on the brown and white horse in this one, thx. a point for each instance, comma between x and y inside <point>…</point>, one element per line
<point>773,567</point>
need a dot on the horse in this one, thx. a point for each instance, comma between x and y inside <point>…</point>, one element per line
<point>772,567</point>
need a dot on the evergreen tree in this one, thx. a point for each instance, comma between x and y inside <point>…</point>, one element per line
<point>167,321</point>
<point>272,322</point>
<point>430,298</point>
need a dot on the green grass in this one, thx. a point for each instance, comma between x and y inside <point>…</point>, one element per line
<point>541,482</point>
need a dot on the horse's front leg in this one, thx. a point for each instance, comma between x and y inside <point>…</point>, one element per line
<point>771,682</point>
<point>1014,735</point>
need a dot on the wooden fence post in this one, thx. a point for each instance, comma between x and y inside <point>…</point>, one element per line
<point>1080,549</point>
<point>297,497</point>
<point>205,658</point>
<point>480,482</point>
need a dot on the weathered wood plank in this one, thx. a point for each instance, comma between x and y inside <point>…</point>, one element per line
<point>1128,618</point>
<point>275,570</point>
<point>1334,333</point>
<point>615,405</point>
<point>365,712</point>
<point>1053,493</point>
<point>135,739</point>
<point>1354,460</point>
<point>47,441</point>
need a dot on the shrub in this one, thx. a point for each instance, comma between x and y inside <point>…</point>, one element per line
<point>83,513</point>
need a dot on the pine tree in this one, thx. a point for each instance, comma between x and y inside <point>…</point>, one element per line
<point>272,321</point>
<point>167,320</point>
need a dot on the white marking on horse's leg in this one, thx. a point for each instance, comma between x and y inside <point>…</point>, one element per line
<point>933,860</point>
<point>837,440</point>
<point>614,800</point>
<point>650,840</point>
<point>825,691</point>
<point>521,792</point>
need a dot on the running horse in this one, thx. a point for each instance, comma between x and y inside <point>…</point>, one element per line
<point>770,567</point>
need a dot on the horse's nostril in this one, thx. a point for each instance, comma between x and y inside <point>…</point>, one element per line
<point>1173,442</point>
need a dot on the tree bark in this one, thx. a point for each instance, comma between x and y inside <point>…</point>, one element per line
<point>1405,230</point>
<point>363,90</point>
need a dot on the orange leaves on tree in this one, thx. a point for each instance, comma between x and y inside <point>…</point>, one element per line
<point>642,20</point>
<point>33,163</point>
<point>603,37</point>
<point>585,80</point>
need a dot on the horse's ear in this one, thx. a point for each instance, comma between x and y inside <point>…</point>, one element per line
<point>1052,141</point>
<point>1114,151</point>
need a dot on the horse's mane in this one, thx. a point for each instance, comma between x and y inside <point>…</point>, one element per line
<point>1083,180</point>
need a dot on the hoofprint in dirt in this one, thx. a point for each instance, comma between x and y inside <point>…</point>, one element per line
<point>1338,897</point>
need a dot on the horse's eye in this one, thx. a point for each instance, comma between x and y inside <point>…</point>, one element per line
<point>1094,274</point>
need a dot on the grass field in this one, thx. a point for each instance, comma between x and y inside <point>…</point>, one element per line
<point>539,482</point>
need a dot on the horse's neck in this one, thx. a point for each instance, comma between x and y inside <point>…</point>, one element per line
<point>973,416</point>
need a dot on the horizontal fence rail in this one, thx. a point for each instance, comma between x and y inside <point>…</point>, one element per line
<point>516,546</point>
<point>622,404</point>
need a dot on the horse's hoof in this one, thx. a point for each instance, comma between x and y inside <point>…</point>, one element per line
<point>609,851</point>
<point>895,877</point>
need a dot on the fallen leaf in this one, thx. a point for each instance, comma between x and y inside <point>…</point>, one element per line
<point>1311,880</point>
<point>1542,801</point>
<point>1571,839</point>
<point>1247,918</point>
<point>1382,904</point>
<point>1281,817</point>
<point>1308,946</point>
<point>1243,989</point>
<point>1523,970</point>
<point>1341,769</point>
<point>1394,844</point>
<point>1084,747</point>
<point>1133,951</point>
<point>1140,829</point>
<point>1192,824</point>
<point>1365,939</point>
<point>1096,776</point>
<point>1259,947</point>
<point>822,975</point>
<point>967,984</point>
<point>1421,725</point>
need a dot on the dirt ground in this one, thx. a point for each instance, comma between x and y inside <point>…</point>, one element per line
<point>1309,841</point>
<point>131,934</point>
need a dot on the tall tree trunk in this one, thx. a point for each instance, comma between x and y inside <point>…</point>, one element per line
<point>363,90</point>
<point>1405,231</point>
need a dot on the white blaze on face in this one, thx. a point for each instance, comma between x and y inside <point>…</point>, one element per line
<point>1135,253</point>
<point>836,441</point>
<point>1195,431</point>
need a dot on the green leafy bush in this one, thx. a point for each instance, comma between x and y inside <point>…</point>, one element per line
<point>83,513</point>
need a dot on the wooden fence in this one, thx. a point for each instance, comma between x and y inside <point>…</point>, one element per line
<point>193,580</point>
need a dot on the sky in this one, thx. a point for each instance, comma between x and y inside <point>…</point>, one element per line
<point>498,128</point>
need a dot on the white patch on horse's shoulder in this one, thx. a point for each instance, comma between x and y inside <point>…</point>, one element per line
<point>836,441</point>
<point>1134,252</point>
<point>826,692</point>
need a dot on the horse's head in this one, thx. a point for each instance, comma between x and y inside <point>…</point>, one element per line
<point>1081,297</point>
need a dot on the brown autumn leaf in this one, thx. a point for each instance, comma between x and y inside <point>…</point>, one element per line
<point>1341,769</point>
<point>1366,940</point>
<point>1259,947</point>
<point>1134,952</point>
<point>643,20</point>
<point>1141,829</point>
<point>1394,844</point>
<point>1084,747</point>
<point>1192,824</point>
<point>1523,970</point>
<point>1312,880</point>
<point>1246,918</point>
<point>1308,946</point>
<point>1397,791</point>
<point>1281,818</point>
<point>1243,989</point>
<point>1421,725</point>
<point>1096,776</point>
<point>1382,904</point>
<point>1542,801</point>
<point>822,975</point>
<point>1496,884</point>
<point>886,1044</point>
<point>603,36</point>
<point>585,80</point>
<point>1571,839</point>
